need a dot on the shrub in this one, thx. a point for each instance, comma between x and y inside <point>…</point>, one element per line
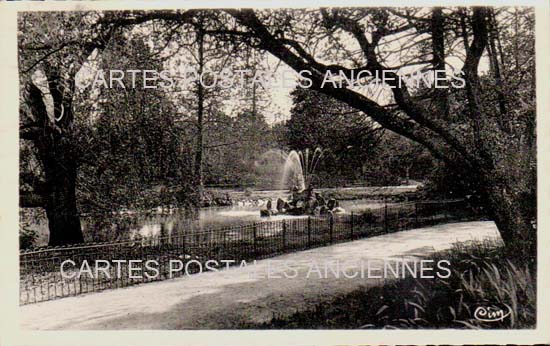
<point>367,217</point>
<point>27,238</point>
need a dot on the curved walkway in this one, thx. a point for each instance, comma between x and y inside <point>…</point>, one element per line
<point>224,299</point>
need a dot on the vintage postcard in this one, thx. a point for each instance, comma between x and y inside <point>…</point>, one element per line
<point>284,174</point>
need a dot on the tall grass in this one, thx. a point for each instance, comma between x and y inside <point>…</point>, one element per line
<point>482,275</point>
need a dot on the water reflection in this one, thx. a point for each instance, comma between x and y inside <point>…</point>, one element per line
<point>134,225</point>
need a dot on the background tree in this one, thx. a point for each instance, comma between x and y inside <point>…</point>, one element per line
<point>397,160</point>
<point>135,146</point>
<point>347,136</point>
<point>196,48</point>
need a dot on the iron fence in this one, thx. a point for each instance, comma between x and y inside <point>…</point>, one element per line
<point>99,266</point>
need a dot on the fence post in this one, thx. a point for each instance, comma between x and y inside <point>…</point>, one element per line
<point>284,235</point>
<point>351,227</point>
<point>398,220</point>
<point>309,231</point>
<point>331,225</point>
<point>183,245</point>
<point>224,250</point>
<point>254,231</point>
<point>416,214</point>
<point>385,216</point>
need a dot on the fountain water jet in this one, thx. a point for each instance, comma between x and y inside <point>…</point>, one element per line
<point>299,168</point>
<point>297,174</point>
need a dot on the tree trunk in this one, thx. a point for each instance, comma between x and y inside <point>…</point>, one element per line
<point>199,151</point>
<point>494,65</point>
<point>61,210</point>
<point>514,213</point>
<point>60,169</point>
<point>441,95</point>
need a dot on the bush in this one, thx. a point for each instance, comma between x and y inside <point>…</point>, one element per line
<point>367,217</point>
<point>27,238</point>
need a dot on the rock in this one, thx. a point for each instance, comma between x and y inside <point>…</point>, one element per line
<point>338,210</point>
<point>223,201</point>
<point>265,213</point>
<point>296,211</point>
<point>320,200</point>
<point>281,205</point>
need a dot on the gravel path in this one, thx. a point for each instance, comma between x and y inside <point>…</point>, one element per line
<point>224,299</point>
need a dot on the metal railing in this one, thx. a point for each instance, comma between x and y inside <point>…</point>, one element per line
<point>41,278</point>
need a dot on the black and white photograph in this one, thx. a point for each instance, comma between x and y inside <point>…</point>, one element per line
<point>308,168</point>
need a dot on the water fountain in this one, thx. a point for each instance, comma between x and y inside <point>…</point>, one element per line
<point>297,174</point>
<point>299,167</point>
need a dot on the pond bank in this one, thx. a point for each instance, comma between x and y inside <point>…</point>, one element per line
<point>250,197</point>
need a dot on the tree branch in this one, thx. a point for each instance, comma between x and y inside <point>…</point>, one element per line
<point>418,131</point>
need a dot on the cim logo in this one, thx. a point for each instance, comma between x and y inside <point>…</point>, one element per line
<point>491,313</point>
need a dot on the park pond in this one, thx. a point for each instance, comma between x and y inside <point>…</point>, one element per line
<point>162,222</point>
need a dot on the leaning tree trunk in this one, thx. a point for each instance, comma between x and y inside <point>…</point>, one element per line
<point>513,210</point>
